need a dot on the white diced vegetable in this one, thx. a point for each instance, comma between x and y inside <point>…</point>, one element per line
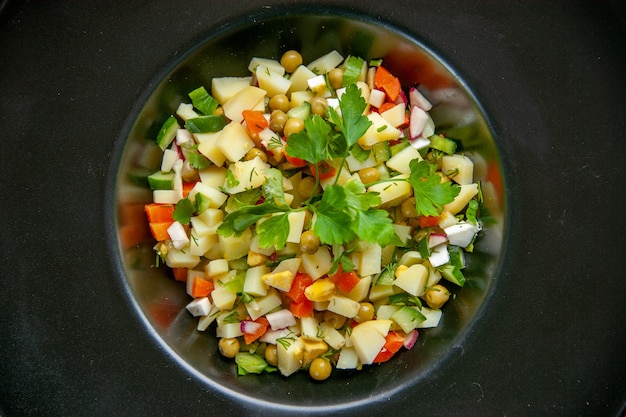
<point>461,234</point>
<point>439,255</point>
<point>199,307</point>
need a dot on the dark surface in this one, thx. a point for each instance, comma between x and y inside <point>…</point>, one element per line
<point>549,74</point>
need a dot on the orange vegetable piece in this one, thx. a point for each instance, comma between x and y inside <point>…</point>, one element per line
<point>251,337</point>
<point>428,221</point>
<point>187,186</point>
<point>300,282</point>
<point>345,281</point>
<point>255,122</point>
<point>159,213</point>
<point>180,274</point>
<point>388,82</point>
<point>387,105</point>
<point>159,230</point>
<point>393,343</point>
<point>325,170</point>
<point>201,287</point>
<point>302,308</point>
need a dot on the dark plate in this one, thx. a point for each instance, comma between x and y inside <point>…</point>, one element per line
<point>549,340</point>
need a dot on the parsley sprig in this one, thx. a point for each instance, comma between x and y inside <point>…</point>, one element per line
<point>343,213</point>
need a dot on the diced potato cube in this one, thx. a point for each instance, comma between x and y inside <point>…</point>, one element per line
<point>289,355</point>
<point>199,245</point>
<point>234,247</point>
<point>181,258</point>
<point>348,359</point>
<point>379,131</point>
<point>325,63</point>
<point>331,336</point>
<point>400,161</point>
<point>216,267</point>
<point>465,195</point>
<point>296,223</point>
<point>361,289</point>
<point>299,78</point>
<point>367,341</point>
<point>253,283</point>
<point>208,147</point>
<point>344,306</point>
<point>228,330</point>
<point>413,279</point>
<point>234,141</point>
<point>223,298</point>
<point>273,83</point>
<point>224,88</point>
<point>309,328</point>
<point>395,116</point>
<point>370,259</point>
<point>249,174</point>
<point>318,263</point>
<point>393,193</point>
<point>213,176</point>
<point>271,64</point>
<point>245,99</point>
<point>459,168</point>
<point>262,305</point>
<point>215,196</point>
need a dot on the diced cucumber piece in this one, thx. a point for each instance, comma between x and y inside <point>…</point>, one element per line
<point>301,111</point>
<point>408,318</point>
<point>398,147</point>
<point>206,124</point>
<point>452,274</point>
<point>442,144</point>
<point>161,180</point>
<point>381,151</point>
<point>203,101</point>
<point>457,256</point>
<point>167,133</point>
<point>386,277</point>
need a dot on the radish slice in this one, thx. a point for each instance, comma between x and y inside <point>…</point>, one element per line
<point>417,121</point>
<point>270,336</point>
<point>281,319</point>
<point>436,239</point>
<point>410,339</point>
<point>417,99</point>
<point>249,326</point>
<point>401,98</point>
<point>420,143</point>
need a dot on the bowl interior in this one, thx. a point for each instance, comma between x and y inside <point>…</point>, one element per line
<point>226,52</point>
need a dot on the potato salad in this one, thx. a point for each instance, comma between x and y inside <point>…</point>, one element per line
<point>314,214</point>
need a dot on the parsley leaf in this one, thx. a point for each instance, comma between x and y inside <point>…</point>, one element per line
<point>273,187</point>
<point>311,144</point>
<point>351,122</point>
<point>352,70</point>
<point>238,221</point>
<point>430,193</point>
<point>183,211</point>
<point>273,232</point>
<point>375,226</point>
<point>198,161</point>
